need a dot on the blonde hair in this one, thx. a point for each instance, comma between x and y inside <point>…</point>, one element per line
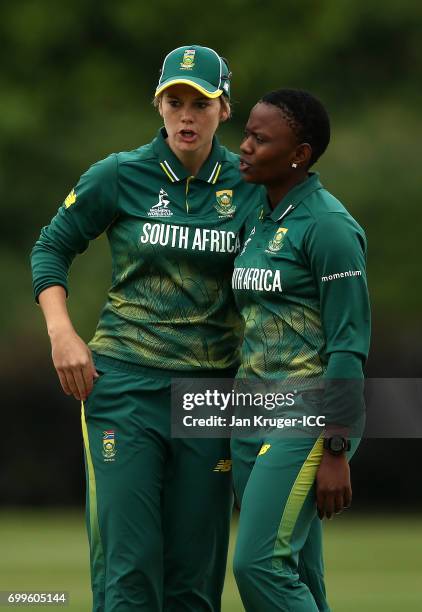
<point>225,103</point>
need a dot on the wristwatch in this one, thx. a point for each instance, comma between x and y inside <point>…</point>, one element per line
<point>336,444</point>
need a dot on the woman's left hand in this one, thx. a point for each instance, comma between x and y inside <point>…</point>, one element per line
<point>333,486</point>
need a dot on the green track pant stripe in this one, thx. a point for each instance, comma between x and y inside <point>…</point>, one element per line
<point>295,501</point>
<point>95,539</point>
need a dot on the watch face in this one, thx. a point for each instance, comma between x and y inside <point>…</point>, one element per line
<point>336,443</point>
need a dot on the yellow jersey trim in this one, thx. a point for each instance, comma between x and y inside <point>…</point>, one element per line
<point>216,175</point>
<point>167,172</point>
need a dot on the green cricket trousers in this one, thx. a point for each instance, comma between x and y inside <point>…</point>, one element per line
<point>158,508</point>
<point>278,561</point>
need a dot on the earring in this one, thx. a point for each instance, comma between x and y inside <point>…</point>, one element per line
<point>294,165</point>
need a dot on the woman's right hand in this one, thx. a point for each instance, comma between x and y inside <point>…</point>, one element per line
<point>333,486</point>
<point>71,356</point>
<point>74,364</point>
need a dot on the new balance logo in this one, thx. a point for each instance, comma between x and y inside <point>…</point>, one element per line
<point>161,208</point>
<point>264,449</point>
<point>224,465</point>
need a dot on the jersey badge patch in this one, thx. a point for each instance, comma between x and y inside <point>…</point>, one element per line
<point>277,242</point>
<point>161,208</point>
<point>109,445</point>
<point>71,199</point>
<point>224,204</point>
<point>188,61</point>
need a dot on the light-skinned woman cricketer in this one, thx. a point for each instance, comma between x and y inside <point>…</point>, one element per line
<point>309,323</point>
<point>158,508</point>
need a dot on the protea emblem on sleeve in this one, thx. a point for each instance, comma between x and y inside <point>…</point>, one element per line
<point>277,242</point>
<point>224,204</point>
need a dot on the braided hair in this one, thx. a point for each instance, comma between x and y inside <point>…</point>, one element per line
<point>305,115</point>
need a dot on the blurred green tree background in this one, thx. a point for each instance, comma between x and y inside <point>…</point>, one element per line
<point>76,83</point>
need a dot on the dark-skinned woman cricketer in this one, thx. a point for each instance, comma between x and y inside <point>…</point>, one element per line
<point>309,321</point>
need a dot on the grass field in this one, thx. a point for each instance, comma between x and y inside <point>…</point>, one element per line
<point>374,564</point>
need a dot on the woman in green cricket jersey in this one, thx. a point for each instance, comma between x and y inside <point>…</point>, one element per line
<point>158,508</point>
<point>300,285</point>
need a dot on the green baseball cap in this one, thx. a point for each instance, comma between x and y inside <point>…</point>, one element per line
<point>199,67</point>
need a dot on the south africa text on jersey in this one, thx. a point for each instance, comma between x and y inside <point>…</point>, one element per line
<point>182,237</point>
<point>256,279</point>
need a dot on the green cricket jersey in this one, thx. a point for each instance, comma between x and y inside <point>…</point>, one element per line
<point>300,284</point>
<point>173,240</point>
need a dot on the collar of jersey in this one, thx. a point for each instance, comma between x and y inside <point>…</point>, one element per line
<point>296,195</point>
<point>175,170</point>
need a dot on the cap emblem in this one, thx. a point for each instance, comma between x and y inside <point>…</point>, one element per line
<point>188,61</point>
